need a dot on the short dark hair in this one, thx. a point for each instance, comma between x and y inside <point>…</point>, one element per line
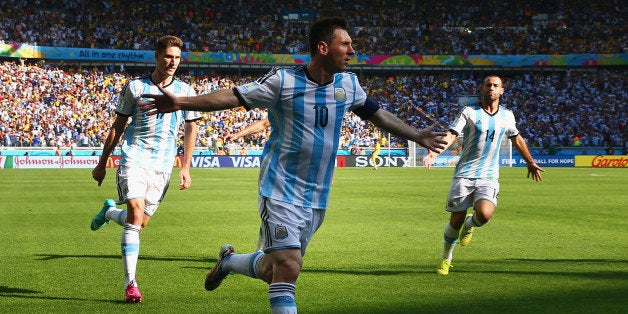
<point>501,78</point>
<point>323,30</point>
<point>168,41</point>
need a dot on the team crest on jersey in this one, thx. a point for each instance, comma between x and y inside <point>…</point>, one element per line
<point>281,232</point>
<point>249,87</point>
<point>339,94</point>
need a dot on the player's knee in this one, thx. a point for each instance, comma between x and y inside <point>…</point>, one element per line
<point>287,270</point>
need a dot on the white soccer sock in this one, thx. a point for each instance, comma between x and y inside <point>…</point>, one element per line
<point>450,239</point>
<point>281,297</point>
<point>130,250</point>
<point>117,215</point>
<point>472,221</point>
<point>245,264</point>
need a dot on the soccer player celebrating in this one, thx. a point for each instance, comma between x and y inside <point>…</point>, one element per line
<point>475,182</point>
<point>305,106</point>
<point>149,150</point>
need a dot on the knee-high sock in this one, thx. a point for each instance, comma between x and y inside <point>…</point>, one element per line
<point>245,264</point>
<point>472,221</point>
<point>450,239</point>
<point>117,215</point>
<point>130,250</point>
<point>281,297</point>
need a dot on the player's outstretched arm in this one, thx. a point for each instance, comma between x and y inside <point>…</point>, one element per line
<point>533,169</point>
<point>256,127</point>
<point>168,102</point>
<point>392,124</point>
<point>429,159</point>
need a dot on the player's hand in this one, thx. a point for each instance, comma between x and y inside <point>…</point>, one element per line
<point>185,180</point>
<point>99,174</point>
<point>535,171</point>
<point>167,102</point>
<point>231,137</point>
<point>432,140</point>
<point>428,161</point>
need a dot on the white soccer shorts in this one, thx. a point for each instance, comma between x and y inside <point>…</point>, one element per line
<point>288,226</point>
<point>148,184</point>
<point>464,192</point>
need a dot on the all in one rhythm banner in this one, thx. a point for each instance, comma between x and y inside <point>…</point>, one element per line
<point>86,54</point>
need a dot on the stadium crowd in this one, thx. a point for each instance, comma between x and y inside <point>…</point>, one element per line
<point>59,105</point>
<point>379,27</point>
<point>42,105</point>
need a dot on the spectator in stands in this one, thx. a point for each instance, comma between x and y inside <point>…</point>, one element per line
<point>553,106</point>
<point>398,27</point>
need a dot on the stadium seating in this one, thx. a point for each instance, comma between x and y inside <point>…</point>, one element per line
<point>56,105</point>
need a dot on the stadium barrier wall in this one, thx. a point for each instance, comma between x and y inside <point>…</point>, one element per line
<point>363,161</point>
<point>146,56</point>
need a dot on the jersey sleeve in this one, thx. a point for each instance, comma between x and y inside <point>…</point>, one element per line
<point>127,100</point>
<point>511,126</point>
<point>360,97</point>
<point>191,115</point>
<point>367,110</point>
<point>261,93</point>
<point>460,122</point>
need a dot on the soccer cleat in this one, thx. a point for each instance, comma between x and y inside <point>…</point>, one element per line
<point>132,294</point>
<point>216,275</point>
<point>465,234</point>
<point>100,220</point>
<point>443,267</point>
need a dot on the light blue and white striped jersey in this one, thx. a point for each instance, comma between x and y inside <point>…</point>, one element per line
<point>483,134</point>
<point>150,142</point>
<point>299,157</point>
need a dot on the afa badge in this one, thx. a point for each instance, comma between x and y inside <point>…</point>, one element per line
<point>281,232</point>
<point>249,87</point>
<point>339,94</point>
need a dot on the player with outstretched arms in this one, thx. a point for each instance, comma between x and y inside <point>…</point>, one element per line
<point>475,183</point>
<point>306,104</point>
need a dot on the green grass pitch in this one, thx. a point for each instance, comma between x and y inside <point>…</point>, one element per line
<point>558,246</point>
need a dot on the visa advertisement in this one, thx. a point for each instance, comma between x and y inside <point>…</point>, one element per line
<point>364,161</point>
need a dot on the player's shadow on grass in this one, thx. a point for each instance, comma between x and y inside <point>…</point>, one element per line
<point>366,272</point>
<point>21,293</point>
<point>49,257</point>
<point>587,267</point>
<point>512,266</point>
<point>569,260</point>
<point>521,266</point>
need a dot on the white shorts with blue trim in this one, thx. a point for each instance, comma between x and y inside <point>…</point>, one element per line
<point>287,226</point>
<point>464,192</point>
<point>143,183</point>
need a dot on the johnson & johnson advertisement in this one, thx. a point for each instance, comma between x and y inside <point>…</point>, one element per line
<point>209,161</point>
